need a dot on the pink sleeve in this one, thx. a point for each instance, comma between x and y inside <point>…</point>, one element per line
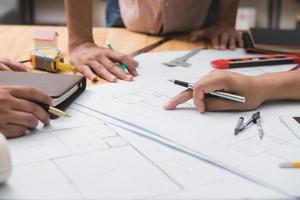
<point>141,16</point>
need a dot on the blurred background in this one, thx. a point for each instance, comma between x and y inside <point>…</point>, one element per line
<point>260,13</point>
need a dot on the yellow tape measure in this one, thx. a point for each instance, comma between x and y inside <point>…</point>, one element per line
<point>49,59</point>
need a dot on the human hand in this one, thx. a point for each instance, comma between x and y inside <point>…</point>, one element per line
<point>253,88</point>
<point>11,65</point>
<point>93,61</point>
<point>221,36</point>
<point>18,112</point>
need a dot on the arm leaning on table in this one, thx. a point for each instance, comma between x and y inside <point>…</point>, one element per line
<point>256,89</point>
<point>90,59</point>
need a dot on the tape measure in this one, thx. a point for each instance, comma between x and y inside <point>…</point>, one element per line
<point>49,59</point>
<point>256,61</point>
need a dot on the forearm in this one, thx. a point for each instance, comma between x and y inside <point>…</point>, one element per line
<point>80,22</point>
<point>227,11</point>
<point>282,85</point>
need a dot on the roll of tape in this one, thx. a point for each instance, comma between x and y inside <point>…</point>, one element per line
<point>5,162</point>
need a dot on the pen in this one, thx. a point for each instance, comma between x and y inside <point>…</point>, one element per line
<point>123,66</point>
<point>290,165</point>
<point>224,95</point>
<point>52,110</point>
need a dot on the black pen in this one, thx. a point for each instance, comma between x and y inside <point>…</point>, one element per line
<point>224,95</point>
<point>52,110</point>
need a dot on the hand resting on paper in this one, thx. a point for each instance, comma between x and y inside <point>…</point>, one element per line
<point>256,89</point>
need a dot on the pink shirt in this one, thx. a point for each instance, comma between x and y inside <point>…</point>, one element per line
<point>164,16</point>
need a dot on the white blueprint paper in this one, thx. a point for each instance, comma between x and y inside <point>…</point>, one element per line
<point>89,156</point>
<point>140,103</point>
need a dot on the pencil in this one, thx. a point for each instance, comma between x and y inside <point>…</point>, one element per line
<point>290,165</point>
<point>123,66</point>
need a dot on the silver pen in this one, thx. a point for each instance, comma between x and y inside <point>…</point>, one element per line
<point>224,95</point>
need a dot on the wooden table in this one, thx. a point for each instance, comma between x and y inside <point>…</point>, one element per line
<point>16,41</point>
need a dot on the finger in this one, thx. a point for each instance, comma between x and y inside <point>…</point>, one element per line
<point>31,94</point>
<point>88,73</point>
<point>224,40</point>
<point>197,35</point>
<point>32,108</point>
<point>130,63</point>
<point>232,43</point>
<point>116,70</point>
<point>4,67</point>
<point>100,70</point>
<point>214,104</point>
<point>239,40</point>
<point>198,96</point>
<point>13,131</point>
<point>15,66</point>
<point>215,41</point>
<point>179,99</point>
<point>23,119</point>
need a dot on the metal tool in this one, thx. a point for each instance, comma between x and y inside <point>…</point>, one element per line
<point>238,126</point>
<point>182,61</point>
<point>255,119</point>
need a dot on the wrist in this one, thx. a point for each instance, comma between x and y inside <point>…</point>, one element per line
<point>76,45</point>
<point>75,41</point>
<point>264,86</point>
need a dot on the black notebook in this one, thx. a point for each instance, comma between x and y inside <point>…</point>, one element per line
<point>62,88</point>
<point>272,40</point>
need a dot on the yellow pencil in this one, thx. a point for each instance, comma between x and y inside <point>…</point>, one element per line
<point>290,165</point>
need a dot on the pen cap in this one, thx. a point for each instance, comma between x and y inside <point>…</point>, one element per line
<point>5,162</point>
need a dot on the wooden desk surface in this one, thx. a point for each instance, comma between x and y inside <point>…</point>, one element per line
<point>16,41</point>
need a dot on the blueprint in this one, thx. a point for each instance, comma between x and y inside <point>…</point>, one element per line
<point>120,144</point>
<point>99,159</point>
<point>209,135</point>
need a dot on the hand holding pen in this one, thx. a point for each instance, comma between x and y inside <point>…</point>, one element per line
<point>247,92</point>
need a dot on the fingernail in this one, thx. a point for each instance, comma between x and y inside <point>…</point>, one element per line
<point>113,79</point>
<point>94,79</point>
<point>47,121</point>
<point>129,78</point>
<point>166,106</point>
